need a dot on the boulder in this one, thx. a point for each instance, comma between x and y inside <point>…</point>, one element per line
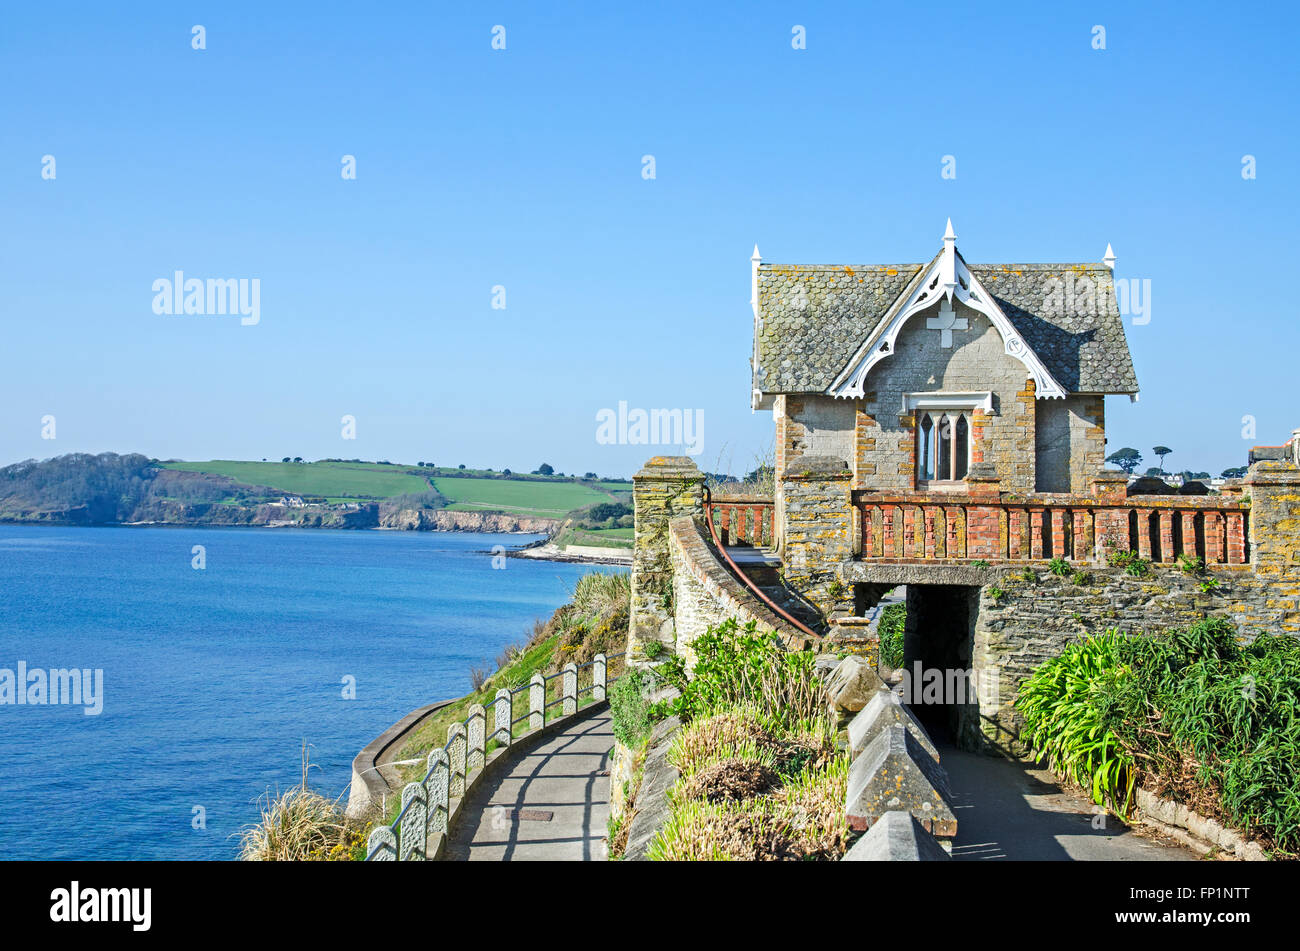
<point>851,684</point>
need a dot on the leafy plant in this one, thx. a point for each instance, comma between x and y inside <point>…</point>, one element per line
<point>1080,577</point>
<point>1059,567</point>
<point>1064,725</point>
<point>979,563</point>
<point>653,649</point>
<point>893,619</point>
<point>1192,713</point>
<point>1120,559</point>
<point>1028,575</point>
<point>994,592</point>
<point>629,707</point>
<point>1137,567</point>
<point>735,664</point>
<point>1207,585</point>
<point>1191,564</point>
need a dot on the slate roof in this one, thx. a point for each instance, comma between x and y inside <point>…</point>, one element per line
<point>814,318</point>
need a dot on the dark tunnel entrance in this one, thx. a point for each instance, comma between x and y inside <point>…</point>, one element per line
<point>938,643</point>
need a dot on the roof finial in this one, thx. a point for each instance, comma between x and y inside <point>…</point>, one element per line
<point>756,256</point>
<point>948,265</point>
<point>1109,259</point>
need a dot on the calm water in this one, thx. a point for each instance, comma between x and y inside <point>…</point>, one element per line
<point>213,678</point>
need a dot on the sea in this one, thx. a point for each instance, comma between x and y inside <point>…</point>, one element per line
<point>221,653</point>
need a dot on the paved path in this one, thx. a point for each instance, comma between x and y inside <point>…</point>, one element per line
<point>553,804</point>
<point>1009,810</point>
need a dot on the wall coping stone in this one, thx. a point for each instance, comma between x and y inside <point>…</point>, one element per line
<point>670,467</point>
<point>824,468</point>
<point>897,837</point>
<point>658,776</point>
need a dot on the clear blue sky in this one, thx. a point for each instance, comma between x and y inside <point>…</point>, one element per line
<point>522,168</point>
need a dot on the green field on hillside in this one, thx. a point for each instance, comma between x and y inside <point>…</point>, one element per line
<point>362,481</point>
<point>548,498</point>
<point>334,479</point>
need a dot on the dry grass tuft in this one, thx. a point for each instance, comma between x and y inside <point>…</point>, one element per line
<point>299,826</point>
<point>732,779</point>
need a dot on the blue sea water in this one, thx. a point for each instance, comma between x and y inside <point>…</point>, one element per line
<point>214,678</point>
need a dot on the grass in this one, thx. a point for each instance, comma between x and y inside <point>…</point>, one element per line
<point>518,495</point>
<point>893,620</point>
<point>761,775</point>
<point>331,479</point>
<point>596,537</point>
<point>752,790</point>
<point>363,481</point>
<point>300,825</point>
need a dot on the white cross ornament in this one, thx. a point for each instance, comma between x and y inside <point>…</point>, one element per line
<point>946,322</point>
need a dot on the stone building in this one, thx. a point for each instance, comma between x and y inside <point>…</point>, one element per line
<point>941,427</point>
<point>923,376</point>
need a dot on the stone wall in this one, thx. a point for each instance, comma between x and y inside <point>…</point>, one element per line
<point>1070,443</point>
<point>705,592</point>
<point>666,487</point>
<point>1032,621</point>
<point>816,533</point>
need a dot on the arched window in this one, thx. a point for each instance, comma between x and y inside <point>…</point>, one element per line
<point>942,446</point>
<point>925,452</point>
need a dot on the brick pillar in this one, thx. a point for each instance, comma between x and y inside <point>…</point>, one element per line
<point>1273,530</point>
<point>818,531</point>
<point>1110,524</point>
<point>1166,535</point>
<point>984,533</point>
<point>667,486</point>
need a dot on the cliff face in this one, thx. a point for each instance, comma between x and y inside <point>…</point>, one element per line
<point>440,520</point>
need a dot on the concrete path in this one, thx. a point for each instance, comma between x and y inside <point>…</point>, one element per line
<point>553,804</point>
<point>1008,810</point>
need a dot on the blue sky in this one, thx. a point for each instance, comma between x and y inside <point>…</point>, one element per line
<point>522,168</point>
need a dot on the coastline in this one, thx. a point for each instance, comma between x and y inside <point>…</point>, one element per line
<point>547,551</point>
<point>540,550</point>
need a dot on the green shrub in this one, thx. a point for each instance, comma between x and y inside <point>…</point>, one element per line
<point>892,622</point>
<point>1059,567</point>
<point>1192,712</point>
<point>1138,568</point>
<point>629,708</point>
<point>736,664</point>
